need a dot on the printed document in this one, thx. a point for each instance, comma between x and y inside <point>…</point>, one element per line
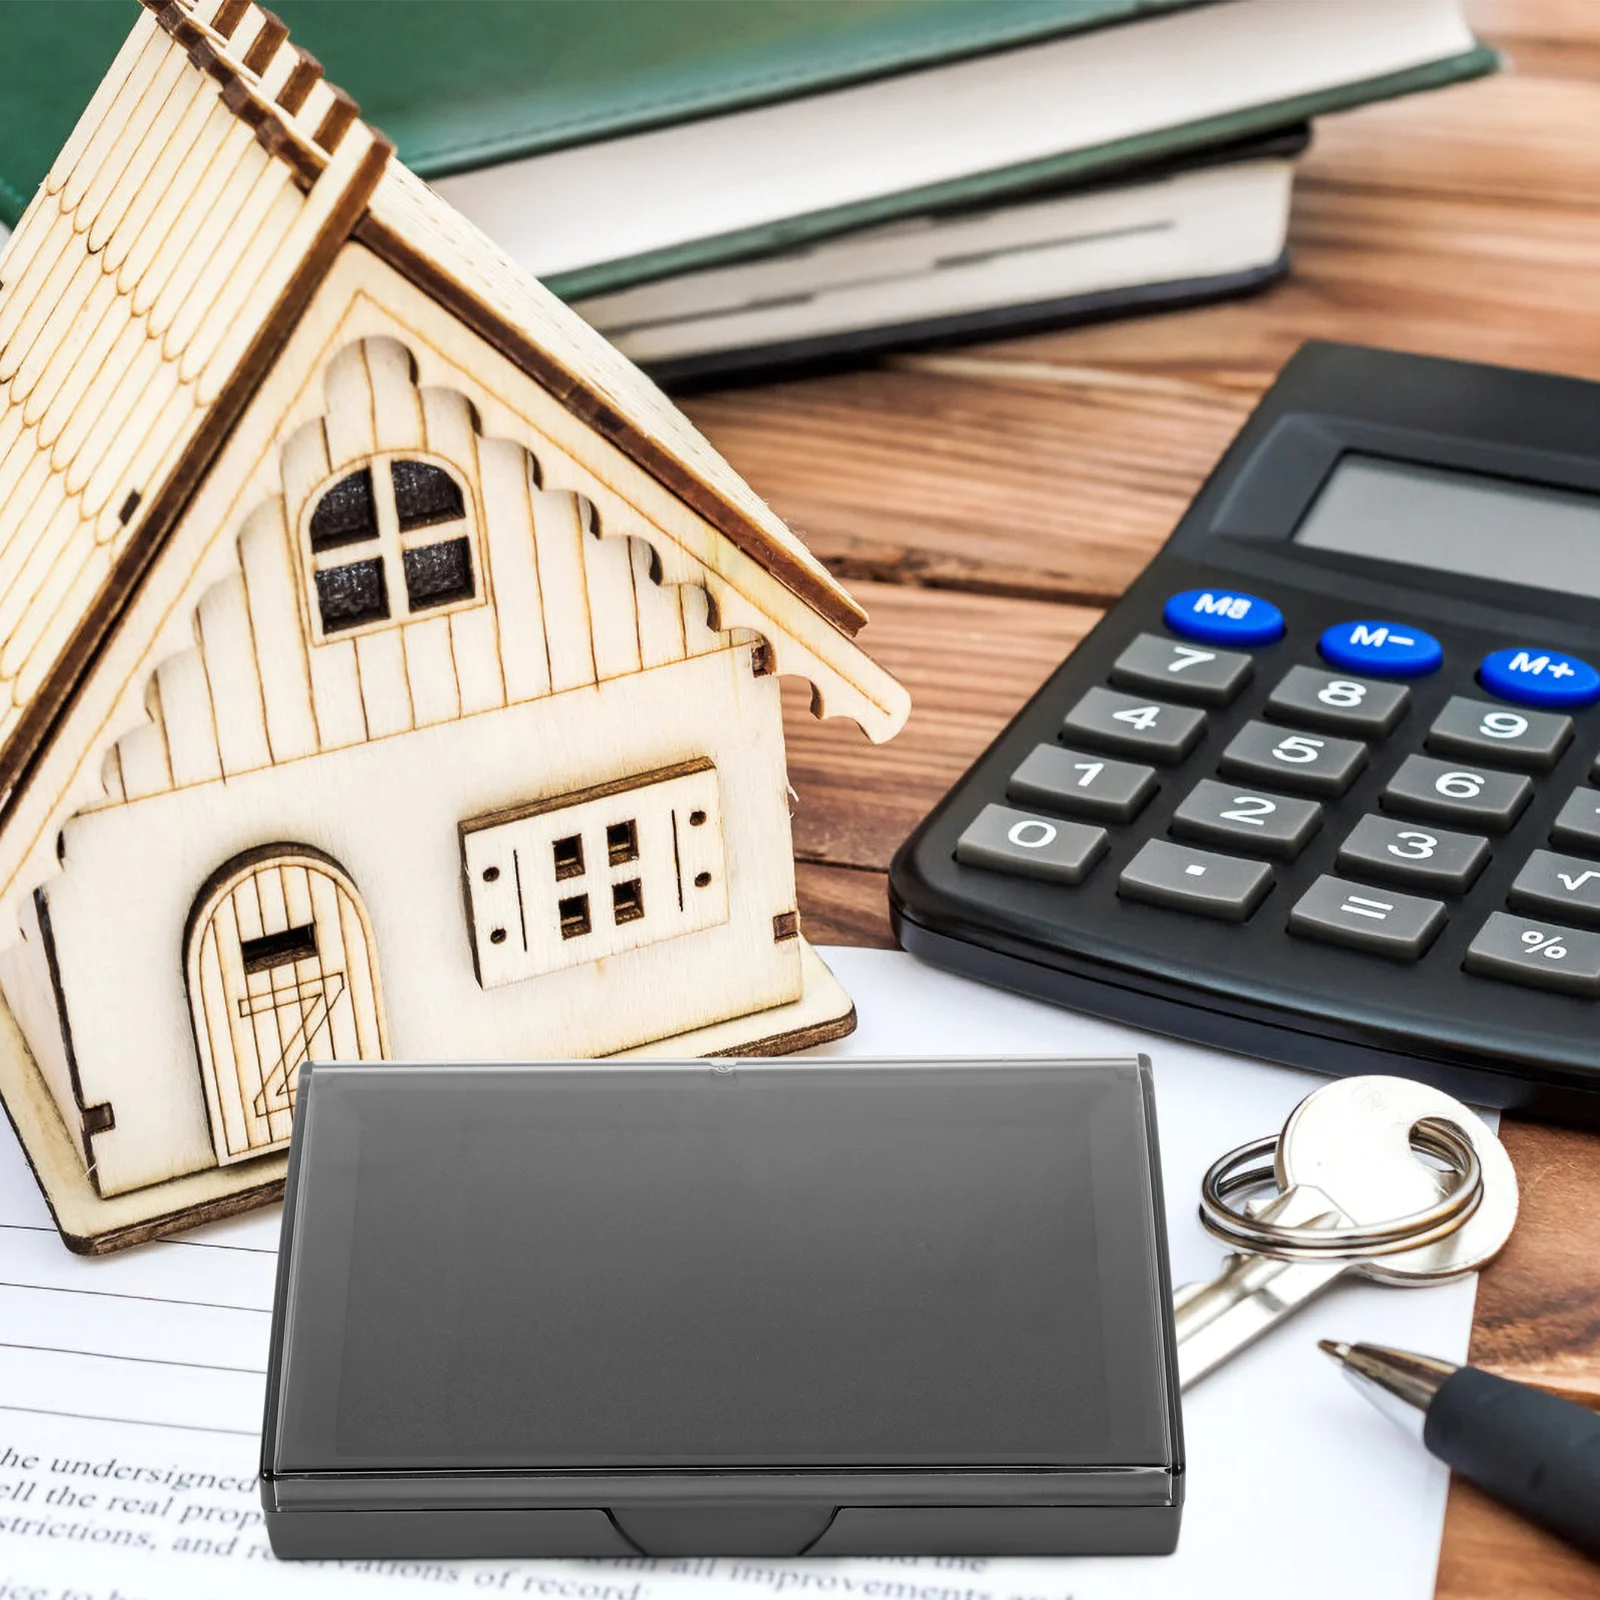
<point>131,1394</point>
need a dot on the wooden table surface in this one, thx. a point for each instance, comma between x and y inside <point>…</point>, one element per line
<point>986,503</point>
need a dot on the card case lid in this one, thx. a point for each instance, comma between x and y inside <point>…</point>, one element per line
<point>603,1283</point>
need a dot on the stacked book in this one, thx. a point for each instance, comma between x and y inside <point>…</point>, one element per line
<point>725,186</point>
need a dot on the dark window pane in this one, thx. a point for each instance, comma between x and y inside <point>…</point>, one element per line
<point>349,596</point>
<point>424,494</point>
<point>436,574</point>
<point>345,514</point>
<point>574,914</point>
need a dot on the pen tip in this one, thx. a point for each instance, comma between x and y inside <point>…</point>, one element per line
<point>1332,1347</point>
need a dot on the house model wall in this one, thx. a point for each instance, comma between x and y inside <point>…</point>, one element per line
<point>386,668</point>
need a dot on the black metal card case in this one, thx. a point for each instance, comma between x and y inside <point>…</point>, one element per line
<point>822,1307</point>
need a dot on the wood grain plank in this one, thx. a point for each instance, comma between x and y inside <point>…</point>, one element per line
<point>1489,1553</point>
<point>1018,477</point>
<point>970,661</point>
<point>1512,137</point>
<point>1538,1312</point>
<point>839,905</point>
<point>1570,23</point>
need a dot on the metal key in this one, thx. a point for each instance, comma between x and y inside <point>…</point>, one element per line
<point>1345,1158</point>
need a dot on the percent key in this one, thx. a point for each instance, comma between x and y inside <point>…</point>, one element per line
<point>1538,953</point>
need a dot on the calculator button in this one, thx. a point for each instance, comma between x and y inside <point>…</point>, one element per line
<point>1212,677</point>
<point>1223,813</point>
<point>1004,840</point>
<point>1492,733</point>
<point>1223,616</point>
<point>1427,788</point>
<point>1318,762</point>
<point>1534,677</point>
<point>1400,926</point>
<point>1093,786</point>
<point>1195,880</point>
<point>1434,858</point>
<point>1145,727</point>
<point>1578,826</point>
<point>1381,649</point>
<point>1558,886</point>
<point>1348,705</point>
<point>1539,953</point>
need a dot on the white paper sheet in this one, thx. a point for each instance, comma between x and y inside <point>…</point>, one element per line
<point>130,1395</point>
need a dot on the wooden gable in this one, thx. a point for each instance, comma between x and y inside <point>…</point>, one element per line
<point>220,230</point>
<point>553,606</point>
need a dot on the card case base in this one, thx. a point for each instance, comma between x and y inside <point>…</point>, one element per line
<point>562,1532</point>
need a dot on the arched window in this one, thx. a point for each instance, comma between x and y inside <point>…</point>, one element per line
<point>390,541</point>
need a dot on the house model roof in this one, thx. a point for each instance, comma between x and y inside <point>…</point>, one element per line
<point>180,234</point>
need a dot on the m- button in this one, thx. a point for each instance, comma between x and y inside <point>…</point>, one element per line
<point>1381,649</point>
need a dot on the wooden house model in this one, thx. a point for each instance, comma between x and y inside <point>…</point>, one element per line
<point>386,667</point>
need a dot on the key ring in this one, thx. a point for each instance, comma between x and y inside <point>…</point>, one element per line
<point>1305,1242</point>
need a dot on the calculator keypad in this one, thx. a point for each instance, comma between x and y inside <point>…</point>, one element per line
<point>1186,671</point>
<point>1399,926</point>
<point>1330,700</point>
<point>1090,786</point>
<point>1578,826</point>
<point>1005,840</point>
<point>1226,814</point>
<point>1475,796</point>
<point>1428,858</point>
<point>1315,763</point>
<point>1195,880</point>
<point>1483,731</point>
<point>1558,886</point>
<point>1142,727</point>
<point>1538,953</point>
<point>1268,795</point>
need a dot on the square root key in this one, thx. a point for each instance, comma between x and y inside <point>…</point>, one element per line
<point>1559,886</point>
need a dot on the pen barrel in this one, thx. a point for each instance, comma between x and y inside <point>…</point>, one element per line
<point>1529,1450</point>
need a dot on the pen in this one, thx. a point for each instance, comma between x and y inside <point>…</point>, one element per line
<point>1531,1451</point>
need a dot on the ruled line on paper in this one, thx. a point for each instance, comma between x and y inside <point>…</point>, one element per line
<point>132,1422</point>
<point>117,1294</point>
<point>148,1361</point>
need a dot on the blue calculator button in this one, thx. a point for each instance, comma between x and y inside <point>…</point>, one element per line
<point>1223,616</point>
<point>1533,677</point>
<point>1381,649</point>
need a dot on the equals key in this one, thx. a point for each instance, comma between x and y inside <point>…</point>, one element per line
<point>1378,921</point>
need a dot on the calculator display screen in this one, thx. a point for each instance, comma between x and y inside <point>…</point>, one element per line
<point>1458,522</point>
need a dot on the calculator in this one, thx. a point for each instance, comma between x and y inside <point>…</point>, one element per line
<point>1324,786</point>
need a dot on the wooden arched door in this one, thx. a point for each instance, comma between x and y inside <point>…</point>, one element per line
<point>281,968</point>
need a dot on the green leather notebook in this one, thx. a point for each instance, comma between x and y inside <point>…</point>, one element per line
<point>604,142</point>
